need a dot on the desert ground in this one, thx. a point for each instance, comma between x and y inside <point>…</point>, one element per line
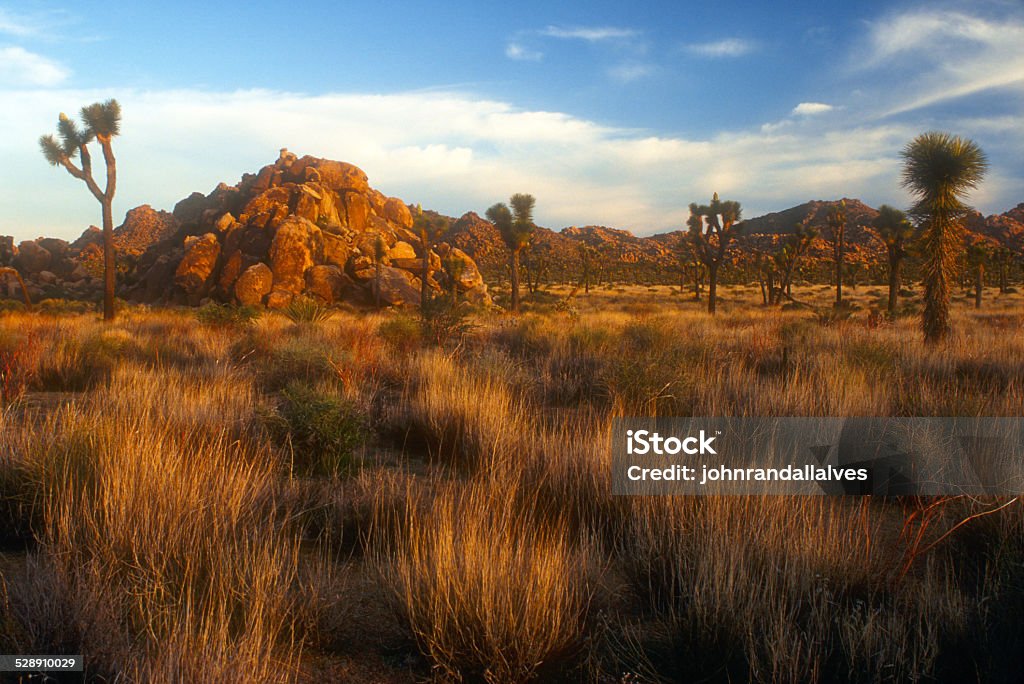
<point>354,495</point>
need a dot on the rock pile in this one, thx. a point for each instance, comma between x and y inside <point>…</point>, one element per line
<point>299,227</point>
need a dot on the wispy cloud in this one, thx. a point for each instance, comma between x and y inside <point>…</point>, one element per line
<point>456,153</point>
<point>628,72</point>
<point>19,67</point>
<point>516,51</point>
<point>727,47</point>
<point>950,54</point>
<point>590,34</point>
<point>18,25</point>
<point>812,108</point>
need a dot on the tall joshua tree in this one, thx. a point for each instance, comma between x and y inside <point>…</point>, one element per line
<point>516,227</point>
<point>939,169</point>
<point>977,256</point>
<point>836,220</point>
<point>101,121</point>
<point>712,226</point>
<point>895,230</point>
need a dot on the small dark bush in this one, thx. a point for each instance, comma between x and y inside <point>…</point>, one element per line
<point>323,431</point>
<point>402,333</point>
<point>227,316</point>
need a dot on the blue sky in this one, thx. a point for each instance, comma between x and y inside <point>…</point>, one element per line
<point>610,113</point>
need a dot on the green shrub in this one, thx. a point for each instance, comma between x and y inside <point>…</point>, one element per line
<point>306,310</point>
<point>444,321</point>
<point>402,333</point>
<point>226,315</point>
<point>323,431</point>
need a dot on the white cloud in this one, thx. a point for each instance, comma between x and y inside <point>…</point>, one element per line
<point>17,25</point>
<point>812,108</point>
<point>591,34</point>
<point>447,151</point>
<point>950,54</point>
<point>19,67</point>
<point>629,71</point>
<point>728,47</point>
<point>516,51</point>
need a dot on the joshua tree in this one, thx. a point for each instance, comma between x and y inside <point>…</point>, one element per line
<point>690,264</point>
<point>8,271</point>
<point>837,224</point>
<point>895,230</point>
<point>939,169</point>
<point>586,254</point>
<point>787,259</point>
<point>516,227</point>
<point>430,230</point>
<point>977,255</point>
<point>537,258</point>
<point>1004,258</point>
<point>101,121</point>
<point>380,252</point>
<point>712,226</point>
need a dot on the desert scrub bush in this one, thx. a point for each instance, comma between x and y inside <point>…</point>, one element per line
<point>307,310</point>
<point>445,321</point>
<point>19,362</point>
<point>226,315</point>
<point>800,589</point>
<point>463,421</point>
<point>164,559</point>
<point>64,307</point>
<point>78,363</point>
<point>277,360</point>
<point>322,432</point>
<point>650,373</point>
<point>401,332</point>
<point>487,592</point>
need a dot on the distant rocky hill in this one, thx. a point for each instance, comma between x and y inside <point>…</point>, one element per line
<point>762,234</point>
<point>308,226</point>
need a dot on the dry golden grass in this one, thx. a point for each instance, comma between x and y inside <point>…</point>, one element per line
<point>173,542</point>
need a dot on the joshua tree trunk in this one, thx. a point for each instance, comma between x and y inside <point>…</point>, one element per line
<point>109,272</point>
<point>979,283</point>
<point>515,280</point>
<point>840,255</point>
<point>712,287</point>
<point>894,283</point>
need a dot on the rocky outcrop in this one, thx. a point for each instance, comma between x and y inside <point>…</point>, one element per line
<point>313,224</point>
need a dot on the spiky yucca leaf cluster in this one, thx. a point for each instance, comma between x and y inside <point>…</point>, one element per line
<point>100,119</point>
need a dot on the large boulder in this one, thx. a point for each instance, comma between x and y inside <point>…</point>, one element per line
<point>297,247</point>
<point>338,176</point>
<point>32,257</point>
<point>254,284</point>
<point>190,210</point>
<point>336,250</point>
<point>195,272</point>
<point>326,283</point>
<point>267,209</point>
<point>397,211</point>
<point>397,287</point>
<point>468,275</point>
<point>357,211</point>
